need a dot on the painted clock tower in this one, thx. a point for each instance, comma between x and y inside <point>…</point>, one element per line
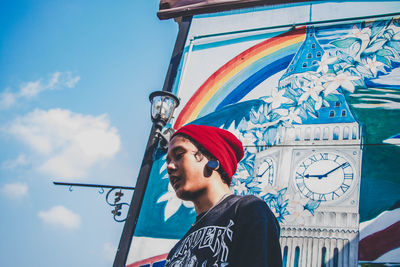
<point>319,162</point>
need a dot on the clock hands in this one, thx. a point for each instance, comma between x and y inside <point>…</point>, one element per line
<point>324,175</point>
<point>312,175</point>
<point>260,175</point>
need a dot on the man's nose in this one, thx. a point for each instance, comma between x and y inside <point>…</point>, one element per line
<point>171,166</point>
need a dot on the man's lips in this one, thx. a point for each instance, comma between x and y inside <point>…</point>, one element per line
<point>174,181</point>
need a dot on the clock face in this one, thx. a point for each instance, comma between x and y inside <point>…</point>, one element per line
<point>324,176</point>
<point>265,170</point>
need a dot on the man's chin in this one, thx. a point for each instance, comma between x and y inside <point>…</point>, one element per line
<point>187,195</point>
<point>184,195</point>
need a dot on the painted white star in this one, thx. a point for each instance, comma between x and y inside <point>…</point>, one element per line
<point>343,80</point>
<point>296,210</point>
<point>240,187</point>
<point>266,188</point>
<point>364,35</point>
<point>313,92</point>
<point>373,65</point>
<point>173,203</point>
<point>326,60</point>
<point>293,115</point>
<point>277,99</point>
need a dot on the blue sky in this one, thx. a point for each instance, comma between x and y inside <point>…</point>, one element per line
<point>74,83</point>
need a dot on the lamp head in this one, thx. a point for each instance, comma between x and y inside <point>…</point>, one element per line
<point>163,104</point>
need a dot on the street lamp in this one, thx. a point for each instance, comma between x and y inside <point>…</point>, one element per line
<point>163,105</point>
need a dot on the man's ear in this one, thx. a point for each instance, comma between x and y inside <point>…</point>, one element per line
<point>199,156</point>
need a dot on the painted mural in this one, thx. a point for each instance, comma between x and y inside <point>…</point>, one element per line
<point>318,109</point>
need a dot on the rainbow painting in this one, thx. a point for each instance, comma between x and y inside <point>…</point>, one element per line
<point>240,75</point>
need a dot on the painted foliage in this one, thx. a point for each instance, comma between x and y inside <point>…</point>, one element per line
<point>344,79</point>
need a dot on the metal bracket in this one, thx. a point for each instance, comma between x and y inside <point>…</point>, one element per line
<point>116,203</point>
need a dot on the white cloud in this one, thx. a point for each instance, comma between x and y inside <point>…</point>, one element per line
<point>61,216</point>
<point>109,251</point>
<point>69,143</point>
<point>7,99</point>
<point>15,190</point>
<point>31,89</point>
<point>21,160</point>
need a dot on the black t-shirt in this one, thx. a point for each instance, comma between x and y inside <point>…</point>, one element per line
<point>239,231</point>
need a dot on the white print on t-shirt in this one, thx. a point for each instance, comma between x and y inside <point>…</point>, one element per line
<point>213,238</point>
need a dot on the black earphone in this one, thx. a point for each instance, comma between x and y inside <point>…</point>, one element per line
<point>213,164</point>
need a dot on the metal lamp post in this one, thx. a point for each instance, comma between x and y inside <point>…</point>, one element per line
<point>163,105</point>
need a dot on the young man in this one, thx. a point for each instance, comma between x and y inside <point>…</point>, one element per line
<point>229,230</point>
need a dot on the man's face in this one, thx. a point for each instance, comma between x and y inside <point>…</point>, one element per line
<point>186,168</point>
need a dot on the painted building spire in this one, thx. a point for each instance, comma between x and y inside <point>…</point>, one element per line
<point>306,58</point>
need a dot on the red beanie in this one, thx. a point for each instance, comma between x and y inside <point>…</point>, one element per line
<point>222,144</point>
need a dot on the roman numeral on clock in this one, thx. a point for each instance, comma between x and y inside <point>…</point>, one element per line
<point>324,156</point>
<point>334,194</point>
<point>344,187</point>
<point>348,176</point>
<point>301,185</point>
<point>310,195</point>
<point>321,197</point>
<point>313,159</point>
<point>345,165</point>
<point>303,164</point>
<point>336,158</point>
<point>299,176</point>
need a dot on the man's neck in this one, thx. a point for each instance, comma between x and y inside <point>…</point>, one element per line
<point>210,198</point>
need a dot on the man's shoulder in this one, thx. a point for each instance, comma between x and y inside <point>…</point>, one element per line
<point>249,200</point>
<point>252,207</point>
